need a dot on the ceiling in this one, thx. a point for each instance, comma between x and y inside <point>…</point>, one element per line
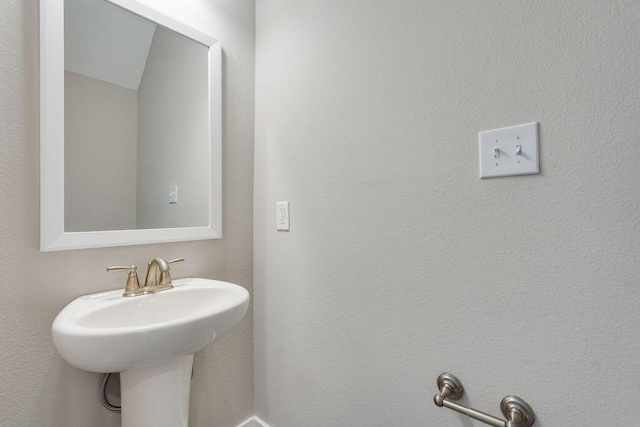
<point>105,42</point>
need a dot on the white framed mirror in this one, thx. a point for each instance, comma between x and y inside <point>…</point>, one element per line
<point>130,126</point>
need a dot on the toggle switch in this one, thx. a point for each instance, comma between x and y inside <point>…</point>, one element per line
<point>509,151</point>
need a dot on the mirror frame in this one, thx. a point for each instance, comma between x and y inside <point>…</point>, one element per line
<point>52,234</point>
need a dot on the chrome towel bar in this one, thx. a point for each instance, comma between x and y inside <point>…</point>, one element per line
<point>516,411</point>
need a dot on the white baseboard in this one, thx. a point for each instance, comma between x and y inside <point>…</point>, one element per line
<point>254,422</point>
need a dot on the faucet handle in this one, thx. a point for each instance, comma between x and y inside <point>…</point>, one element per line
<point>132,287</point>
<point>165,276</point>
<point>121,268</point>
<point>175,261</point>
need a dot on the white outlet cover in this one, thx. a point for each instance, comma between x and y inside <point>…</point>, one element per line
<point>282,216</point>
<point>504,144</point>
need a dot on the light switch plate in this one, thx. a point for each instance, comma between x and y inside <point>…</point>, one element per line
<point>509,151</point>
<point>173,194</point>
<point>283,216</point>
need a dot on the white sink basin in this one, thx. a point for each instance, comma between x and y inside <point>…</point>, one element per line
<point>107,332</point>
<point>151,340</point>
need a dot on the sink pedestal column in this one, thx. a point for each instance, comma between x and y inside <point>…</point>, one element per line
<point>157,396</point>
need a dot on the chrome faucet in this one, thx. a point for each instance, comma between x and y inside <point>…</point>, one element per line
<point>158,277</point>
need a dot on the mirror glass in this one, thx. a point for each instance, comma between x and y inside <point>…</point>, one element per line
<point>130,126</point>
<point>136,122</point>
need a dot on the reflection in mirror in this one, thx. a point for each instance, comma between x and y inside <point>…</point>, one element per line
<point>143,107</point>
<point>137,123</point>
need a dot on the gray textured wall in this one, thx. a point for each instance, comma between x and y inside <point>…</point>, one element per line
<point>97,136</point>
<point>173,133</point>
<point>38,388</point>
<point>401,263</point>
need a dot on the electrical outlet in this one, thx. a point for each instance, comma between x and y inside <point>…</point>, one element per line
<point>283,216</point>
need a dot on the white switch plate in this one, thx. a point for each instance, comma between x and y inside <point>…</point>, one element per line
<point>283,216</point>
<point>173,194</point>
<point>499,148</point>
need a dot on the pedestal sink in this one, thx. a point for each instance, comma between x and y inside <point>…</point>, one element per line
<point>150,340</point>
